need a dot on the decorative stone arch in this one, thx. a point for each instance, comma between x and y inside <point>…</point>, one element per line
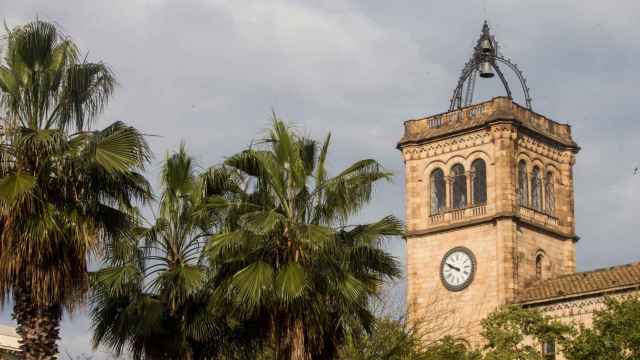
<point>542,265</point>
<point>550,167</point>
<point>456,159</point>
<point>480,154</point>
<point>523,156</point>
<point>432,165</point>
<point>536,161</point>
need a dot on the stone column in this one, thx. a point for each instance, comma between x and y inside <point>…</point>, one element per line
<point>469,177</point>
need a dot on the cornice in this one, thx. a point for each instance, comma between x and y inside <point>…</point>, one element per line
<point>492,219</point>
<point>493,120</point>
<point>496,111</point>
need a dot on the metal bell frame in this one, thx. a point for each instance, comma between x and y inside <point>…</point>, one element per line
<point>482,55</point>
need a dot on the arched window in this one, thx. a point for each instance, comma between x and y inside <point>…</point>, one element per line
<point>438,192</point>
<point>539,265</point>
<point>523,184</point>
<point>549,194</point>
<point>479,182</point>
<point>459,187</point>
<point>536,189</point>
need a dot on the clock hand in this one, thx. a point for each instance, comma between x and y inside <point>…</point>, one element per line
<point>453,267</point>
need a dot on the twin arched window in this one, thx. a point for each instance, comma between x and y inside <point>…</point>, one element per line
<point>542,190</point>
<point>456,186</point>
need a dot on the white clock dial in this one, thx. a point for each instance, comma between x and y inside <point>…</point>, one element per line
<point>457,268</point>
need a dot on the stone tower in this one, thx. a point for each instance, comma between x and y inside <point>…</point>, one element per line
<point>489,211</point>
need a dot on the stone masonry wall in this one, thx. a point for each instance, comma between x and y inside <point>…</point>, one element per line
<point>503,236</point>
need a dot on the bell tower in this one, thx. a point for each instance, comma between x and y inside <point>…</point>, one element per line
<point>488,202</point>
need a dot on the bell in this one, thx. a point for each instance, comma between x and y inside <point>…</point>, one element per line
<point>485,45</point>
<point>485,70</point>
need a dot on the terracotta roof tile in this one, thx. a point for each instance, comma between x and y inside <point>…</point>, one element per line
<point>596,281</point>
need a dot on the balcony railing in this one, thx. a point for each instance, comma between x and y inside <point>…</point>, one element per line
<point>537,216</point>
<point>455,215</point>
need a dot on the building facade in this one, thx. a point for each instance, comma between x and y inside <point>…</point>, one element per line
<point>489,208</point>
<point>495,181</point>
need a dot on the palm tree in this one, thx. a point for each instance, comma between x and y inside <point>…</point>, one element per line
<point>65,190</point>
<point>288,255</point>
<point>152,298</point>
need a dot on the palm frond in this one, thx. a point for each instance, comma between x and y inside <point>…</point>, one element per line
<point>120,148</point>
<point>251,285</point>
<point>14,187</point>
<point>321,169</point>
<point>371,234</point>
<point>86,89</point>
<point>261,222</point>
<point>291,282</point>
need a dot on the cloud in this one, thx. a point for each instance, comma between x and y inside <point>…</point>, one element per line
<point>210,71</point>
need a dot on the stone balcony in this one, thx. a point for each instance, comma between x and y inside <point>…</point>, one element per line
<point>537,217</point>
<point>453,218</point>
<point>457,215</point>
<point>478,115</point>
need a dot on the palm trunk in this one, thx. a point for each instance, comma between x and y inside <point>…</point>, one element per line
<point>298,348</point>
<point>38,326</point>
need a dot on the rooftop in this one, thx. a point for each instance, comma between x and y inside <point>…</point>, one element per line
<point>499,108</point>
<point>593,282</point>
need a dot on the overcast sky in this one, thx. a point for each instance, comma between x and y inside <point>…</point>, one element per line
<point>209,72</point>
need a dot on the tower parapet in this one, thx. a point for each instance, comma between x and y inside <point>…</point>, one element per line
<point>497,109</point>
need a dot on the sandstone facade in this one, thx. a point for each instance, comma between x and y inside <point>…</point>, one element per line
<point>515,244</point>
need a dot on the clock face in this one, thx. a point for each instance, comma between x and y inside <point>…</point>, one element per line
<point>457,268</point>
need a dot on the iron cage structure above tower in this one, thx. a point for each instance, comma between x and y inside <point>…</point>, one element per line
<point>483,62</point>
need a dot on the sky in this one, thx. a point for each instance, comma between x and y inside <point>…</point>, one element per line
<point>210,72</point>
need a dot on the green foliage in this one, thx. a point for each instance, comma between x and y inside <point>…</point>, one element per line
<point>388,339</point>
<point>615,334</point>
<point>66,190</point>
<point>394,339</point>
<point>511,332</point>
<point>62,194</point>
<point>515,333</point>
<point>450,348</point>
<point>286,255</point>
<point>152,297</point>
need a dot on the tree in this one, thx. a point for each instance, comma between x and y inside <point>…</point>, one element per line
<point>394,339</point>
<point>65,189</point>
<point>388,339</point>
<point>515,333</point>
<point>152,297</point>
<point>288,256</point>
<point>615,334</point>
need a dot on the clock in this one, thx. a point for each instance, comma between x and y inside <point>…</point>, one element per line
<point>457,268</point>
